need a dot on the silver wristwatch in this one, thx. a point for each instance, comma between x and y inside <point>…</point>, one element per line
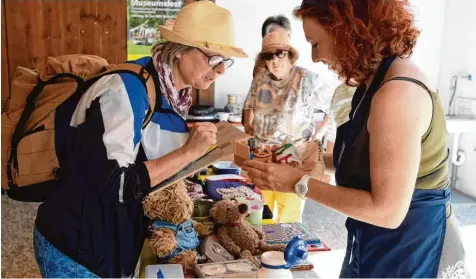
<point>301,186</point>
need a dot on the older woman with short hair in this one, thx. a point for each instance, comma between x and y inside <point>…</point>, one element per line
<point>275,23</point>
<point>281,104</point>
<point>93,224</point>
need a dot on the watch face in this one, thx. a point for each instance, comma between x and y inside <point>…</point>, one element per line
<point>300,188</point>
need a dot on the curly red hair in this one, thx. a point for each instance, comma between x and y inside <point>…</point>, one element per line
<point>365,32</point>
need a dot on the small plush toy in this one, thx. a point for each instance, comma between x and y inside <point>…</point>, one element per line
<point>236,235</point>
<point>174,236</point>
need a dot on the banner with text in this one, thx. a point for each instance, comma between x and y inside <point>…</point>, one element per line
<point>143,20</point>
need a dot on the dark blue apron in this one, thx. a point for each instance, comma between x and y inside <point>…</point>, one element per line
<point>413,250</point>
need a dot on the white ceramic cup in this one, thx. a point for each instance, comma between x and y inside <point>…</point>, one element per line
<point>222,116</point>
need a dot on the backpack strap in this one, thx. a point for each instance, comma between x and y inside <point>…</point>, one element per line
<point>145,77</point>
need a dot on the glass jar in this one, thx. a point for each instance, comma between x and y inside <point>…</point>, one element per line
<point>232,106</point>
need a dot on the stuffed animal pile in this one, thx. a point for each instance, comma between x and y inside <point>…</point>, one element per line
<point>173,235</point>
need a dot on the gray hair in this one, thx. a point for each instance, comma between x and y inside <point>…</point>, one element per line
<point>169,51</point>
<point>274,22</point>
<point>275,27</point>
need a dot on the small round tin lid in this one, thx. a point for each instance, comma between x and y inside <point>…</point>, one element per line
<point>295,252</point>
<point>273,260</point>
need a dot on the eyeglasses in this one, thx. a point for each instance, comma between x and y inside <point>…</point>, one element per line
<point>269,55</point>
<point>215,60</point>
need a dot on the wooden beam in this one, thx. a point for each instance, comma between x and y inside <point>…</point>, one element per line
<point>207,96</point>
<point>119,31</point>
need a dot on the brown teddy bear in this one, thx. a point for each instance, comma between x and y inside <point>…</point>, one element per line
<point>236,235</point>
<point>174,236</point>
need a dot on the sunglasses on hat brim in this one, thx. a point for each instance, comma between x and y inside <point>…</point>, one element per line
<point>269,55</point>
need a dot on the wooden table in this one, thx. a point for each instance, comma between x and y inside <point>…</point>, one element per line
<point>326,263</point>
<point>238,125</point>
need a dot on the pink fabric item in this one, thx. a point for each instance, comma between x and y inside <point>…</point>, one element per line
<point>181,100</point>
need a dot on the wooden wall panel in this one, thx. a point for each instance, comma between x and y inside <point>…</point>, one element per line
<point>35,29</point>
<point>207,96</point>
<point>5,72</point>
<point>71,31</point>
<point>120,36</point>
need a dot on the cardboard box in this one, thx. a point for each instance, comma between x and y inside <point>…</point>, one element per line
<point>242,151</point>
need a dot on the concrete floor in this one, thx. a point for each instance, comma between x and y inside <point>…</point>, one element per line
<point>18,220</point>
<point>327,224</point>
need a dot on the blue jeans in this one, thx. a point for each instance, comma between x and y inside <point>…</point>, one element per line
<point>53,263</point>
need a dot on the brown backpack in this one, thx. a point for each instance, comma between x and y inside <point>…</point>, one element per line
<point>30,165</point>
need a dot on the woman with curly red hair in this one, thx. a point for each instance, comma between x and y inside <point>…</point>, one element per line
<point>391,157</point>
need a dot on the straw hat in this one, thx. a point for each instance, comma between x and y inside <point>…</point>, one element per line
<point>278,40</point>
<point>205,25</point>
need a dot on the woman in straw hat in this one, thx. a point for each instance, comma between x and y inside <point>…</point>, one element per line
<point>280,105</point>
<point>94,225</point>
<point>391,156</point>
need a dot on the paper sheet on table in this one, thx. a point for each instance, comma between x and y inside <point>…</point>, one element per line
<point>227,134</point>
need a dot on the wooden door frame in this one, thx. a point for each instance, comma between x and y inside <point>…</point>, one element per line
<point>5,69</point>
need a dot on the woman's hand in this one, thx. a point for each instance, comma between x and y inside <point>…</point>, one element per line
<point>201,137</point>
<point>249,129</point>
<point>271,176</point>
<point>248,121</point>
